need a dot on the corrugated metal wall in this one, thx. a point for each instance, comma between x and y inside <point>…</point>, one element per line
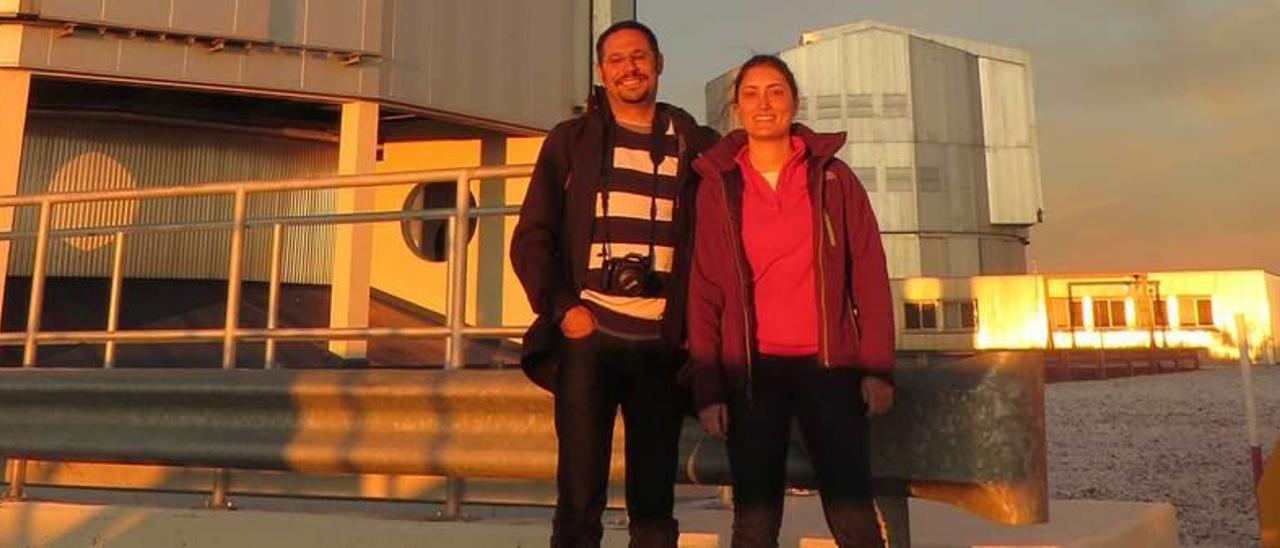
<point>515,62</point>
<point>497,59</point>
<point>62,153</point>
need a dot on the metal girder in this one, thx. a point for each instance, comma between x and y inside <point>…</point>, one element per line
<point>969,433</point>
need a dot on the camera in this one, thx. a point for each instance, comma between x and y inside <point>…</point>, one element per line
<point>631,275</point>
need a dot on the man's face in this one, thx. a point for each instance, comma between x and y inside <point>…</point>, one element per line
<point>629,68</point>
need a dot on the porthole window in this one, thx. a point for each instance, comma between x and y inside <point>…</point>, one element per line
<point>428,238</point>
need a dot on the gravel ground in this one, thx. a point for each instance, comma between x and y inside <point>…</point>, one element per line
<point>1177,438</point>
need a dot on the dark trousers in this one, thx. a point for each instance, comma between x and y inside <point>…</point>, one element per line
<point>600,374</point>
<point>827,404</point>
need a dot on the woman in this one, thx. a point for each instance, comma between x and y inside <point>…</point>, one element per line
<point>789,311</point>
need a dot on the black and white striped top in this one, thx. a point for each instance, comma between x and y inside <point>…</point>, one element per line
<point>641,202</point>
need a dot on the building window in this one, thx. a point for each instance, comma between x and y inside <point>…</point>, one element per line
<point>1059,314</point>
<point>920,315</point>
<point>428,238</point>
<point>860,105</point>
<point>1160,312</point>
<point>828,107</point>
<point>867,176</point>
<point>930,179</point>
<point>1064,316</point>
<point>896,105</point>
<point>960,315</point>
<point>1195,311</point>
<point>1204,312</point>
<point>898,179</point>
<point>1109,313</point>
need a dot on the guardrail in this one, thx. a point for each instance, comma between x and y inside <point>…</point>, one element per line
<point>969,433</point>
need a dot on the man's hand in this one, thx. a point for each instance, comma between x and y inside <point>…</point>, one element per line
<point>878,395</point>
<point>578,323</point>
<point>715,420</point>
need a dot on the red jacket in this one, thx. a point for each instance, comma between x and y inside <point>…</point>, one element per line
<point>855,312</point>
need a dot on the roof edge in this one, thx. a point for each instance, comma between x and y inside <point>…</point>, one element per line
<point>981,49</point>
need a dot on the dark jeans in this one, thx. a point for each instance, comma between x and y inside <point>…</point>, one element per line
<point>600,374</point>
<point>827,404</point>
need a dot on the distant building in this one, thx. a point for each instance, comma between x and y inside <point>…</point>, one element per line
<point>942,132</point>
<point>1092,311</point>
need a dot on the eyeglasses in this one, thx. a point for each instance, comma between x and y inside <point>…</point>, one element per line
<point>636,57</point>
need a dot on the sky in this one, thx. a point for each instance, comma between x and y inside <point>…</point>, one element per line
<point>1159,120</point>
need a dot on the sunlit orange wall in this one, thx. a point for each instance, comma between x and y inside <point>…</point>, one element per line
<point>1012,312</point>
<point>515,307</point>
<point>1233,292</point>
<point>396,268</point>
<point>398,271</point>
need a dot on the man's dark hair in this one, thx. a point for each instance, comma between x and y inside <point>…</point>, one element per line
<point>626,25</point>
<point>761,60</point>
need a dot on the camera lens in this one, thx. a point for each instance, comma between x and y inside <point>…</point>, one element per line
<point>631,281</point>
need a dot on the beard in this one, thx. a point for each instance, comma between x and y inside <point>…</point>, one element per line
<point>635,95</point>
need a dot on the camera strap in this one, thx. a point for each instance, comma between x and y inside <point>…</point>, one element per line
<point>657,154</point>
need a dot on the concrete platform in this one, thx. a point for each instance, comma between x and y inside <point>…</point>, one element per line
<point>48,525</point>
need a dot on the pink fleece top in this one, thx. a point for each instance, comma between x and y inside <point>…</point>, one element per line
<point>777,232</point>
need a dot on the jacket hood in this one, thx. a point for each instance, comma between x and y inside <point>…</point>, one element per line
<point>720,157</point>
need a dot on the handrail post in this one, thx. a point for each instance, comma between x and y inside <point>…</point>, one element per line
<point>273,293</point>
<point>18,467</point>
<point>36,302</point>
<point>221,485</point>
<point>113,306</point>
<point>16,471</point>
<point>234,277</point>
<point>458,260</point>
<point>221,479</point>
<point>457,312</point>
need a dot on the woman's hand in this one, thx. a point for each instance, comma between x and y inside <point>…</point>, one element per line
<point>715,420</point>
<point>578,323</point>
<point>878,395</point>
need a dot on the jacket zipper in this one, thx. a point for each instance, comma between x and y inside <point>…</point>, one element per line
<point>825,357</point>
<point>731,230</point>
<point>831,232</point>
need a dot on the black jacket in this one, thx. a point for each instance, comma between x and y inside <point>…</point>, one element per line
<point>553,237</point>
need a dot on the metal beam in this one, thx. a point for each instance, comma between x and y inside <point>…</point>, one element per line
<point>15,91</point>
<point>969,433</point>
<point>491,252</point>
<point>353,245</point>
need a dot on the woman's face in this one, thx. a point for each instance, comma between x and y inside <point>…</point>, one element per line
<point>765,103</point>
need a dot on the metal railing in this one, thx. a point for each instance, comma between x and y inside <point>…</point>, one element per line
<point>968,432</point>
<point>455,330</point>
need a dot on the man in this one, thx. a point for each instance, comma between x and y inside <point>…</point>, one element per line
<point>602,249</point>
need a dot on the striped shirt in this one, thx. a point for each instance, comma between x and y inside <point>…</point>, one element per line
<point>640,207</point>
